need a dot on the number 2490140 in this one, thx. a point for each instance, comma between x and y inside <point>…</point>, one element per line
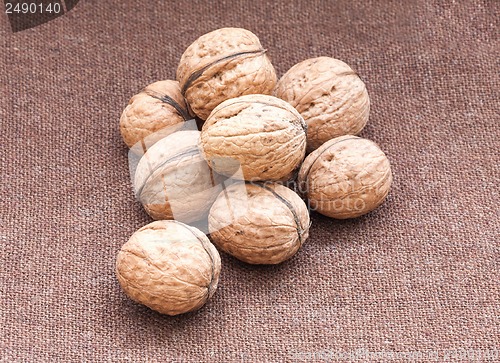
<point>32,8</point>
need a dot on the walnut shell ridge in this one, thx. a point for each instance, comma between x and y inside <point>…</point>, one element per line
<point>329,95</point>
<point>262,223</point>
<point>346,177</point>
<point>223,64</point>
<point>173,181</point>
<point>261,134</point>
<point>151,114</point>
<point>169,266</point>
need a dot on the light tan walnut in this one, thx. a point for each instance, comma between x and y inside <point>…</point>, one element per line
<point>173,181</point>
<point>223,64</point>
<point>169,266</point>
<point>346,177</point>
<point>329,95</point>
<point>152,113</point>
<point>259,223</point>
<point>263,135</point>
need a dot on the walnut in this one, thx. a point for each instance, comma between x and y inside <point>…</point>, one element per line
<point>346,177</point>
<point>329,95</point>
<point>261,223</point>
<point>224,64</point>
<point>169,266</point>
<point>151,114</point>
<point>262,134</point>
<point>173,181</point>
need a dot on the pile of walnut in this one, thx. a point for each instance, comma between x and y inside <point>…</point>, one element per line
<point>255,129</point>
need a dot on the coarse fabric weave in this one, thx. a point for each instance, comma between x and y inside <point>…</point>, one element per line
<point>418,275</point>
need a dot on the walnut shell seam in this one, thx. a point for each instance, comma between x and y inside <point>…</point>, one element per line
<point>198,73</point>
<point>188,152</point>
<point>210,284</point>
<point>303,124</point>
<point>300,229</point>
<point>169,100</point>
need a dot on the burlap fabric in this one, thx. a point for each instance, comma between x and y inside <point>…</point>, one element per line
<point>420,274</point>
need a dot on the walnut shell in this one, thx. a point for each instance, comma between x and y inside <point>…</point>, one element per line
<point>151,113</point>
<point>169,266</point>
<point>223,64</point>
<point>173,181</point>
<point>262,134</point>
<point>346,177</point>
<point>261,223</point>
<point>329,95</point>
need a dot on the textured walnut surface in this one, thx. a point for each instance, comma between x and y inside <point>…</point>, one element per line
<point>346,177</point>
<point>223,64</point>
<point>329,95</point>
<point>173,181</point>
<point>259,223</point>
<point>169,266</point>
<point>158,106</point>
<point>262,134</point>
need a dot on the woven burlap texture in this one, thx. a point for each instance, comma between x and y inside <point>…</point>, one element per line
<point>420,274</point>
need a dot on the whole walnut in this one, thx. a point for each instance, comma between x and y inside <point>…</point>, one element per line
<point>169,266</point>
<point>263,135</point>
<point>224,64</point>
<point>346,177</point>
<point>259,223</point>
<point>152,113</point>
<point>173,181</point>
<point>329,95</point>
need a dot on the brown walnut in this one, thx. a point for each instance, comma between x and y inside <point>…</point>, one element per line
<point>329,95</point>
<point>262,134</point>
<point>152,113</point>
<point>223,64</point>
<point>346,177</point>
<point>169,266</point>
<point>173,181</point>
<point>259,223</point>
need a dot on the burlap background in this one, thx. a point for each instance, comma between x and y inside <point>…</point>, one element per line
<point>421,274</point>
